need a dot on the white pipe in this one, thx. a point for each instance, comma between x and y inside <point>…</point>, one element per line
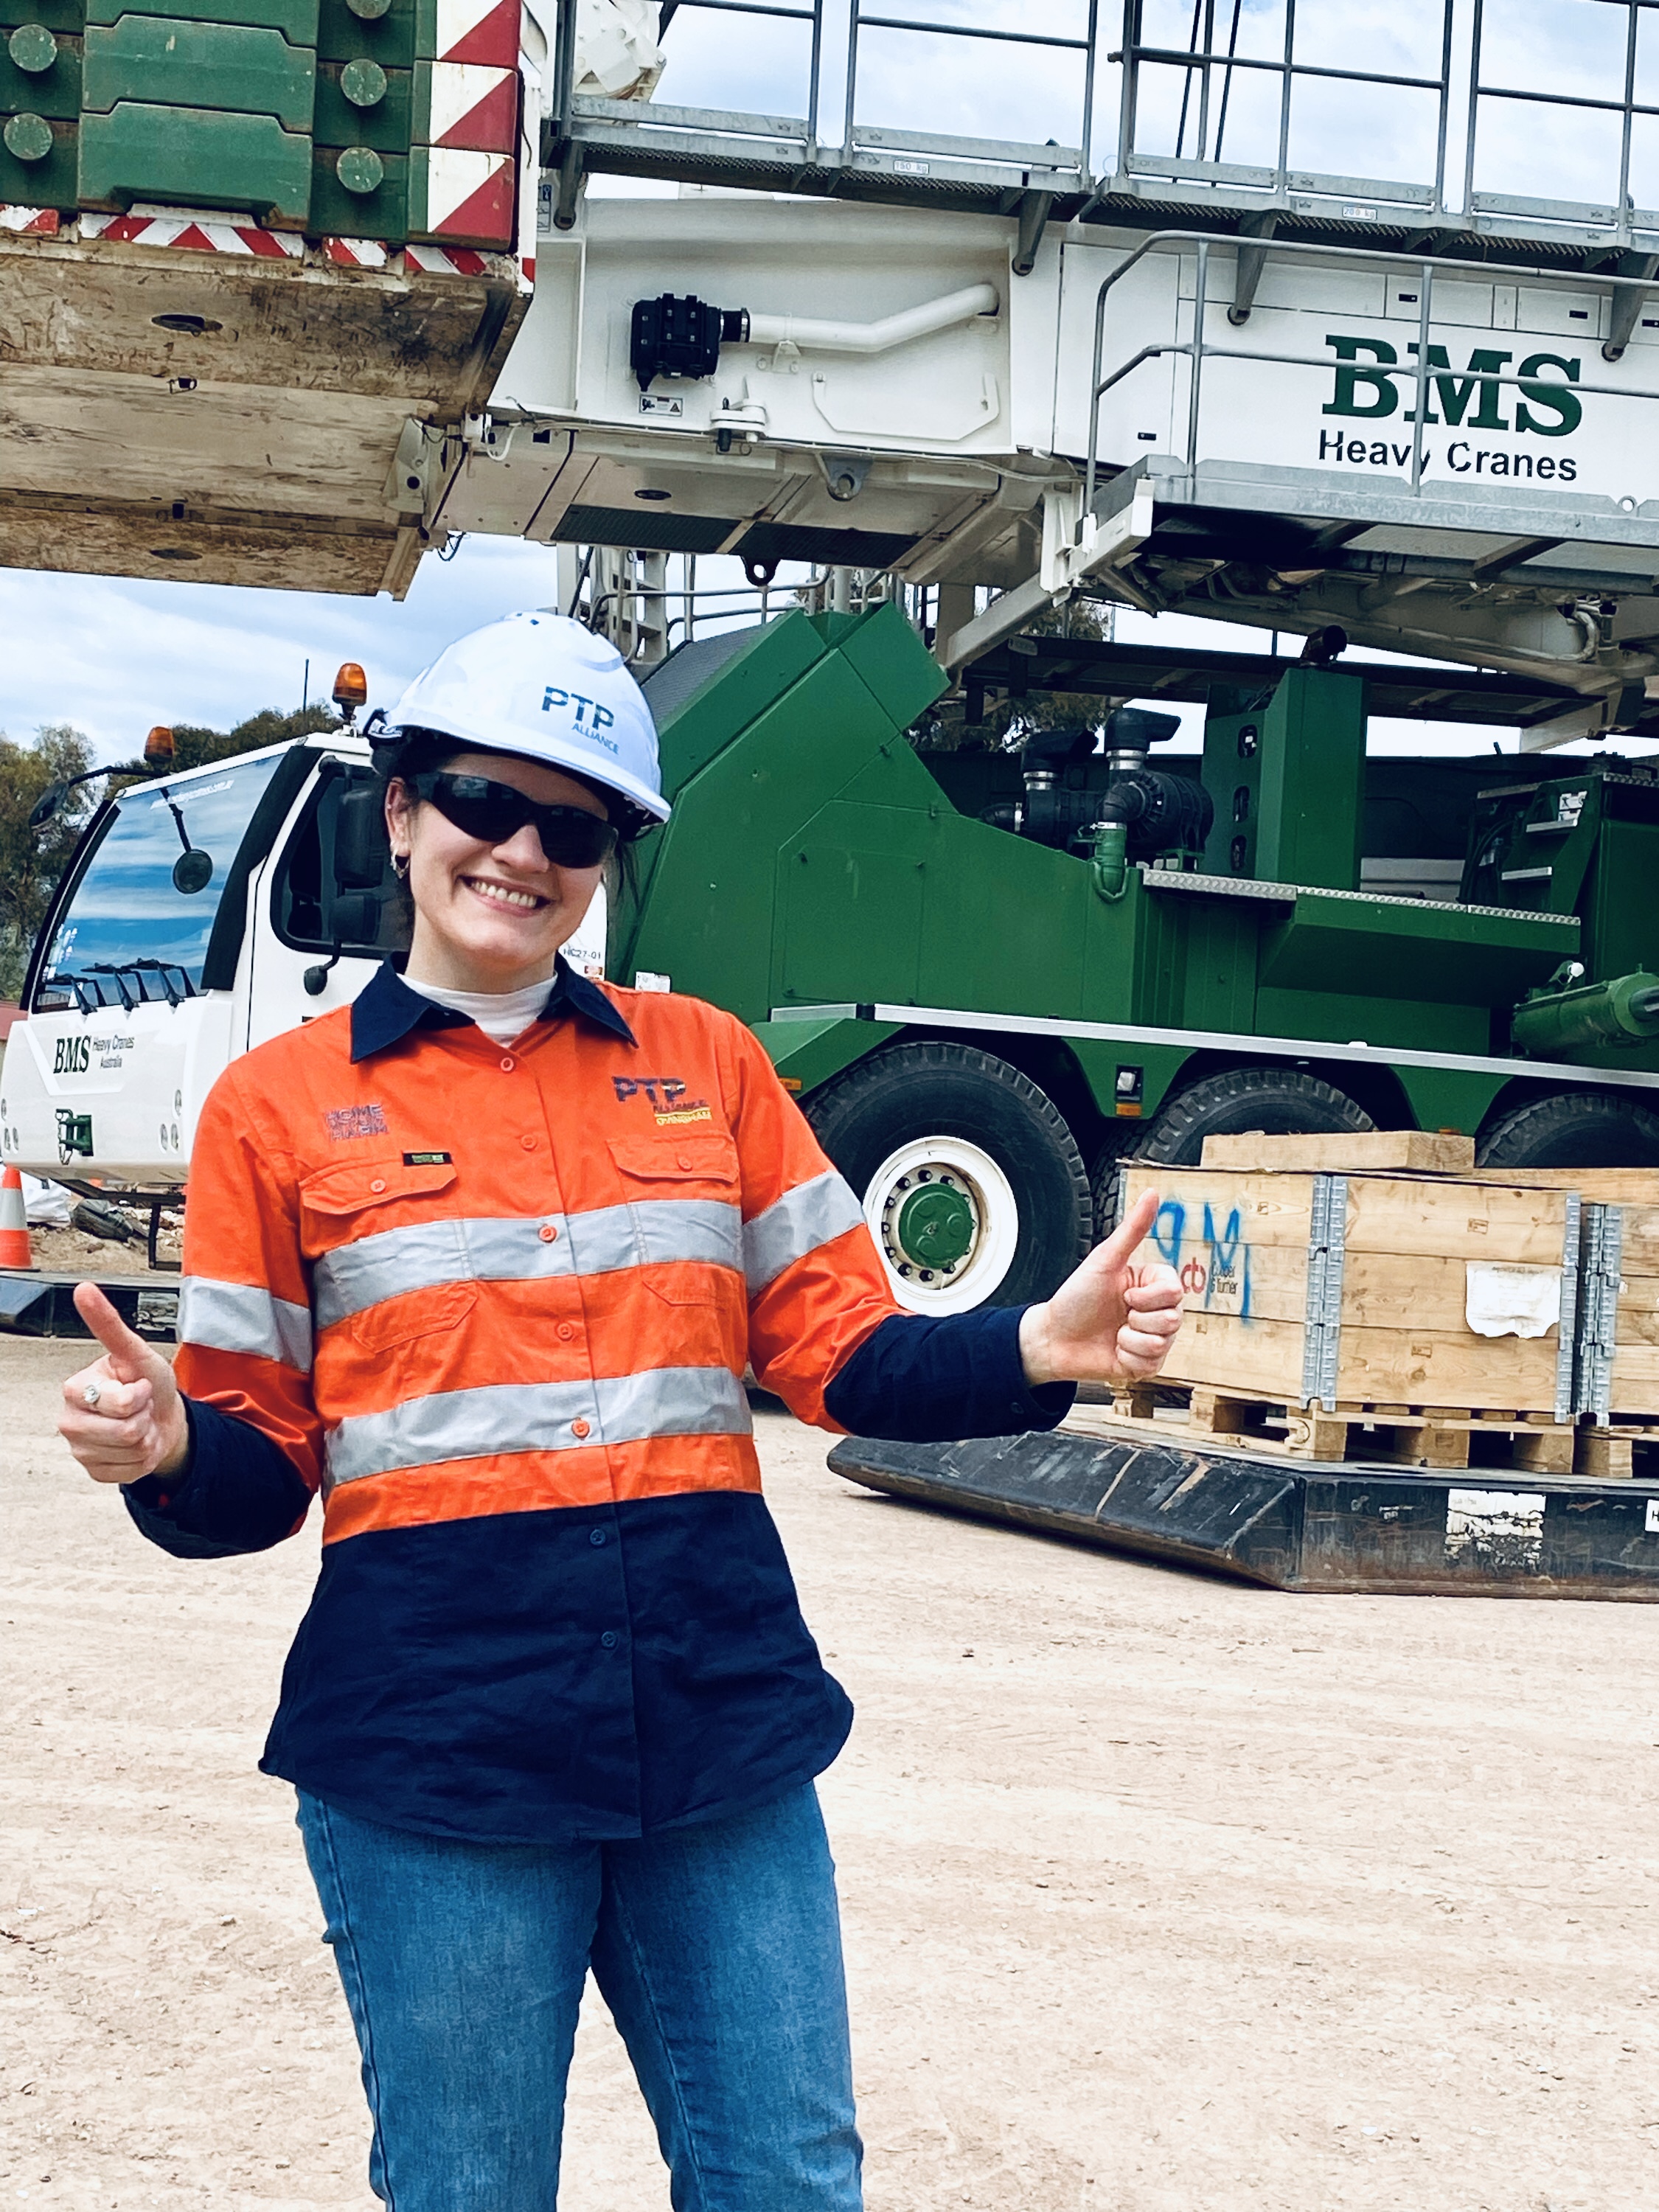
<point>807,330</point>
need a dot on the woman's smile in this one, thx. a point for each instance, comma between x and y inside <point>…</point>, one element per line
<point>507,894</point>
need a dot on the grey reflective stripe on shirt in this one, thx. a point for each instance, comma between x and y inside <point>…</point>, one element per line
<point>810,1215</point>
<point>240,1318</point>
<point>353,1277</point>
<point>539,1417</point>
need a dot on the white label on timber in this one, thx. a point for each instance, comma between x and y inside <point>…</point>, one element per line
<point>1653,1516</point>
<point>1499,1528</point>
<point>1511,1301</point>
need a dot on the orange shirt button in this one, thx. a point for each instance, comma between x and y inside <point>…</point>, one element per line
<point>547,1232</point>
<point>684,1160</point>
<point>565,1332</point>
<point>529,1143</point>
<point>379,1183</point>
<point>578,1428</point>
<point>509,1064</point>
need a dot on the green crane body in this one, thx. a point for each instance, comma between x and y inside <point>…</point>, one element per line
<point>817,859</point>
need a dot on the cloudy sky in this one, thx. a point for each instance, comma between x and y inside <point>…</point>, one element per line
<point>113,655</point>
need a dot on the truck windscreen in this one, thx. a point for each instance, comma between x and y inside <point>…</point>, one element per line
<point>133,929</point>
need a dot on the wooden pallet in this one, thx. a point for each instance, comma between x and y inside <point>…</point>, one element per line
<point>1436,1436</point>
<point>1629,1448</point>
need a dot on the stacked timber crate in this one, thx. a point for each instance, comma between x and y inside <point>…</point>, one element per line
<point>1377,1298</point>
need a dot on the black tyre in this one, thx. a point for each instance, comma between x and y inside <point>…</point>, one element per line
<point>1573,1129</point>
<point>974,1187</point>
<point>1278,1100</point>
<point>1103,1187</point>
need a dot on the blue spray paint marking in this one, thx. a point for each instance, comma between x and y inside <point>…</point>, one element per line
<point>1168,1242</point>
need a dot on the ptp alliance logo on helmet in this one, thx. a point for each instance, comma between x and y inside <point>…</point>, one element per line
<point>595,725</point>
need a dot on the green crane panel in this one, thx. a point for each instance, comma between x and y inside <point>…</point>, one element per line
<point>296,19</point>
<point>196,156</point>
<point>815,857</point>
<point>169,61</point>
<point>63,17</point>
<point>1414,949</point>
<point>1288,780</point>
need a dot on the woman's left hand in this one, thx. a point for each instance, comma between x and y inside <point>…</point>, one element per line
<point>1111,1319</point>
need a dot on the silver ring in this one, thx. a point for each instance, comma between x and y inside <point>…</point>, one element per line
<point>91,1395</point>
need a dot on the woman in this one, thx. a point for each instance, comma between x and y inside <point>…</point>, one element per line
<point>483,1259</point>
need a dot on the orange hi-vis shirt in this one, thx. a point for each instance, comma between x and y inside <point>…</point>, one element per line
<point>496,1304</point>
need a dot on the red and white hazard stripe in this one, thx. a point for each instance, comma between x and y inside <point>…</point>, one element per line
<point>453,260</point>
<point>481,31</point>
<point>199,230</point>
<point>358,253</point>
<point>472,105</point>
<point>469,195</point>
<point>463,184</point>
<point>463,194</point>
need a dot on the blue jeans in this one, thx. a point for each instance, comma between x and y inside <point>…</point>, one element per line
<point>717,1948</point>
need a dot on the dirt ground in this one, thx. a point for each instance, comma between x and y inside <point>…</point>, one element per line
<point>72,1252</point>
<point>1207,1897</point>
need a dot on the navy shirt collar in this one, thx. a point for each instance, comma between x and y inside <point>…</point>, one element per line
<point>385,1011</point>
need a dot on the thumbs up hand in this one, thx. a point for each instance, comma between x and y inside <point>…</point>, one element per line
<point>1112,1318</point>
<point>122,1417</point>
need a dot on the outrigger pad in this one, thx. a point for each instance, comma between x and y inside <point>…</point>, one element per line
<point>1470,1533</point>
<point>44,1305</point>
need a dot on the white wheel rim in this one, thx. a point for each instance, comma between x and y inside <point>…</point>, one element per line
<point>990,1197</point>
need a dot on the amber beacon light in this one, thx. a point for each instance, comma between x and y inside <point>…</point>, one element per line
<point>350,687</point>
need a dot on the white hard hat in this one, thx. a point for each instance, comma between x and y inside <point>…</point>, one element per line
<point>541,685</point>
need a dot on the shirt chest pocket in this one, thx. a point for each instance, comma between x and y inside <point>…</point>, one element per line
<point>685,1210</point>
<point>387,1257</point>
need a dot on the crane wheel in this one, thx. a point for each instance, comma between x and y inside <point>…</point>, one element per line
<point>1277,1100</point>
<point>1572,1129</point>
<point>971,1182</point>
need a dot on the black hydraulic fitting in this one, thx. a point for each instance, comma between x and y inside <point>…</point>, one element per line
<point>682,336</point>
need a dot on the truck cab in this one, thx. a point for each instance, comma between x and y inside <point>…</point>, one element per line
<point>192,924</point>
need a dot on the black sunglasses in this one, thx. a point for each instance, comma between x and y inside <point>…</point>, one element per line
<point>493,812</point>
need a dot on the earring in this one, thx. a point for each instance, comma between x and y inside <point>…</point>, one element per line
<point>400,867</point>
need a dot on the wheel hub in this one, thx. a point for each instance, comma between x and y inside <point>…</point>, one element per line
<point>936,1225</point>
<point>945,1222</point>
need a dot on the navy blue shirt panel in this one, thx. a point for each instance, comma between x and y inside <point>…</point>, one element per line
<point>509,1680</point>
<point>236,1492</point>
<point>935,1378</point>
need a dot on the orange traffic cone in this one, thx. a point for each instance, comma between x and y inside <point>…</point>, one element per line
<point>14,1222</point>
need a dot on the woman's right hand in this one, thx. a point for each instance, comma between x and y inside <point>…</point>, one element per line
<point>122,1417</point>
